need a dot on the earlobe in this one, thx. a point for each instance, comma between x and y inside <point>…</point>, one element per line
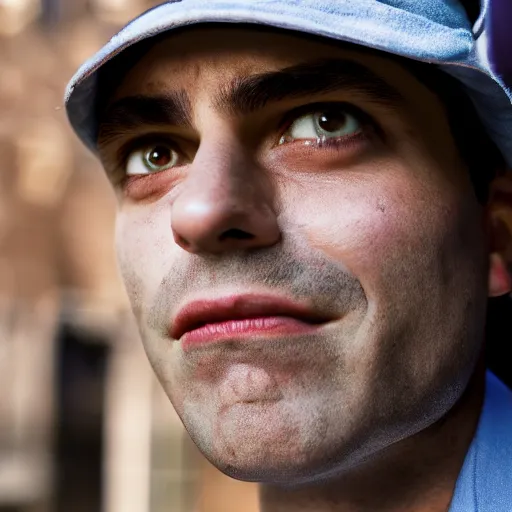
<point>500,282</point>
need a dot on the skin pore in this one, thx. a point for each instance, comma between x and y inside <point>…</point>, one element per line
<point>253,161</point>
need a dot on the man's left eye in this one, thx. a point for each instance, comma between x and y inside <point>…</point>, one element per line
<point>328,123</point>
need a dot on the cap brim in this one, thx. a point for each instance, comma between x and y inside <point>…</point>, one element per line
<point>446,40</point>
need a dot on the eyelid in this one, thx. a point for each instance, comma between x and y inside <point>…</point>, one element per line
<point>143,142</point>
<point>311,108</point>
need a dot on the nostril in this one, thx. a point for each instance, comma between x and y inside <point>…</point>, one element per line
<point>236,234</point>
<point>183,242</point>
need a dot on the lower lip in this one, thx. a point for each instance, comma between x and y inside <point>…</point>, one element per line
<point>245,329</point>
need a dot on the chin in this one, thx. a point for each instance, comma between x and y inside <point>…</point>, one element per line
<point>267,466</point>
<point>263,443</point>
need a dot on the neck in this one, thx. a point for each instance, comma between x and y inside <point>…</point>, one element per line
<point>414,475</point>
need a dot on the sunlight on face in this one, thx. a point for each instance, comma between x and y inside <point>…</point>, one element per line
<point>314,174</point>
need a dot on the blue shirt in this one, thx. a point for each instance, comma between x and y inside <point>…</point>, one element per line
<point>485,481</point>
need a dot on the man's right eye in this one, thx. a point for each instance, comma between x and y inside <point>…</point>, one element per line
<point>152,159</point>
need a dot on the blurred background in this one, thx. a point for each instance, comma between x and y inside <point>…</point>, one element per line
<point>84,426</point>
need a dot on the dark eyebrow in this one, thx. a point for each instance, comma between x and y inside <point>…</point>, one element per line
<point>246,95</point>
<point>249,94</point>
<point>173,108</point>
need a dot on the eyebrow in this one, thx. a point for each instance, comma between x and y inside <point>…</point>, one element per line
<point>173,108</point>
<point>249,94</point>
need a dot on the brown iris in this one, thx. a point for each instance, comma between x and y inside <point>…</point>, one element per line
<point>332,121</point>
<point>159,156</point>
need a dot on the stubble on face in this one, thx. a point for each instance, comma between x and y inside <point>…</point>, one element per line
<point>388,244</point>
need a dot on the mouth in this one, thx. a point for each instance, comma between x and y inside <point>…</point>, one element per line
<point>242,316</point>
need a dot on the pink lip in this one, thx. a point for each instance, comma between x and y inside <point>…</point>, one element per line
<point>208,321</point>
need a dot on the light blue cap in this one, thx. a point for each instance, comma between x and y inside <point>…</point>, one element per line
<point>433,31</point>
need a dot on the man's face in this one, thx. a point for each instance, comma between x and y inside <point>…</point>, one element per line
<point>317,187</point>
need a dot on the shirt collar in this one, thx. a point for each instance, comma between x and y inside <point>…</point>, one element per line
<point>485,481</point>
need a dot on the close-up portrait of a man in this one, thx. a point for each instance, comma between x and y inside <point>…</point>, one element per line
<point>313,229</point>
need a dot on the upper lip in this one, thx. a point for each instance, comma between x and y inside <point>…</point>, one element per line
<point>201,312</point>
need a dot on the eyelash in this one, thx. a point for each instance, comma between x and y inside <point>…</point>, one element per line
<point>143,142</point>
<point>119,175</point>
<point>365,119</point>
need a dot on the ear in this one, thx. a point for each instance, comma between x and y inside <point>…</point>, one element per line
<point>500,227</point>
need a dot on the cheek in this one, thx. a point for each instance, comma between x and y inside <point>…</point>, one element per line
<point>379,228</point>
<point>418,251</point>
<point>145,249</point>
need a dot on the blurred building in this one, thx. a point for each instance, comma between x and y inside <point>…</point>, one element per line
<point>84,426</point>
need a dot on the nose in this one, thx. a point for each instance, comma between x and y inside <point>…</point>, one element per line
<point>224,205</point>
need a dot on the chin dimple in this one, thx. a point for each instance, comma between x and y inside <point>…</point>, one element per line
<point>247,384</point>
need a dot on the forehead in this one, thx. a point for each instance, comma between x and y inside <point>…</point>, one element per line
<point>200,59</point>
